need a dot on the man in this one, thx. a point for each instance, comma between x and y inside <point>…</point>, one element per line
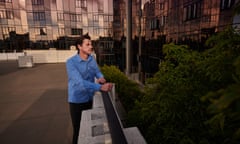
<point>82,70</point>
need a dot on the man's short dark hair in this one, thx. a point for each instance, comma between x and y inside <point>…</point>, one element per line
<point>80,40</point>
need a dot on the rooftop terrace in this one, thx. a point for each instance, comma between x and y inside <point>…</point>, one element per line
<point>34,109</point>
<point>33,104</point>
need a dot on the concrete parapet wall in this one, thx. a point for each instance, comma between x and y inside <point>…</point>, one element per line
<point>95,128</point>
<point>41,56</point>
<point>134,136</point>
<point>94,125</point>
<point>50,56</point>
<point>10,56</point>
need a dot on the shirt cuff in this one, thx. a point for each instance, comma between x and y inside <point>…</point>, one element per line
<point>98,87</point>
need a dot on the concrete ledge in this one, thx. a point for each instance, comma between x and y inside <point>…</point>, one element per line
<point>134,136</point>
<point>94,125</point>
<point>98,101</point>
<point>104,139</point>
<point>50,56</point>
<point>95,129</point>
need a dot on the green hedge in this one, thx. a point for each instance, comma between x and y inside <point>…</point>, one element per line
<point>128,91</point>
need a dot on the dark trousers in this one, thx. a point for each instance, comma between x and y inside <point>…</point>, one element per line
<point>76,114</point>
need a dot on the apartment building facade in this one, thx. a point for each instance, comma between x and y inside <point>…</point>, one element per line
<point>163,21</point>
<point>120,20</point>
<point>49,20</point>
<point>187,19</point>
<point>175,19</point>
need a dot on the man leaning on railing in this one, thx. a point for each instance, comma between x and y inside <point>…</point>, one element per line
<point>82,70</point>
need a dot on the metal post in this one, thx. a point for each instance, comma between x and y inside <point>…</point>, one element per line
<point>112,94</point>
<point>129,36</point>
<point>140,42</point>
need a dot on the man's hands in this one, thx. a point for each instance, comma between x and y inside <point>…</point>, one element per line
<point>101,80</point>
<point>106,87</point>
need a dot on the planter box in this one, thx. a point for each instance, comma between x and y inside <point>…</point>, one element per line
<point>25,61</point>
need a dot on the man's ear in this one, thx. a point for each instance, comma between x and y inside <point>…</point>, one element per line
<point>79,46</point>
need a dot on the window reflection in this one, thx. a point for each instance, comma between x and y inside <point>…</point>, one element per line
<point>54,19</point>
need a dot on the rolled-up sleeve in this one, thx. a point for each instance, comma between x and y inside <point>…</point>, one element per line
<point>75,79</point>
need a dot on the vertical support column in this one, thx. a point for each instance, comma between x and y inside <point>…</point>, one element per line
<point>129,37</point>
<point>140,42</point>
<point>113,92</point>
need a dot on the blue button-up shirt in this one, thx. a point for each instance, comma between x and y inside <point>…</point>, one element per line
<point>81,77</point>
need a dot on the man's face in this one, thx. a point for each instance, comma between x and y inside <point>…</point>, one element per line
<point>86,47</point>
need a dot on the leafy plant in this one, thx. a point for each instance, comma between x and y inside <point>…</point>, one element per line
<point>171,111</point>
<point>194,97</point>
<point>223,64</point>
<point>128,91</point>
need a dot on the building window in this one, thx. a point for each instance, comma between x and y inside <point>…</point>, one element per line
<point>6,1</point>
<point>78,3</point>
<point>73,17</point>
<point>6,14</point>
<point>9,14</point>
<point>79,17</point>
<point>7,30</point>
<point>175,3</point>
<point>61,31</point>
<point>96,31</point>
<point>43,31</point>
<point>95,18</point>
<point>76,31</point>
<point>37,2</point>
<point>60,16</point>
<point>38,16</point>
<point>81,3</point>
<point>76,17</point>
<point>2,14</point>
<point>38,30</point>
<point>105,18</point>
<point>154,24</point>
<point>206,18</point>
<point>106,32</point>
<point>84,4</point>
<point>213,18</point>
<point>161,6</point>
<point>100,5</point>
<point>163,20</point>
<point>226,4</point>
<point>192,11</point>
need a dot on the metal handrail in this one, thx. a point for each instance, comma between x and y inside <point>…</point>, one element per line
<point>114,123</point>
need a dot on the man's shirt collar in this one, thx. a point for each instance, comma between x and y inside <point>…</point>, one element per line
<point>80,59</point>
